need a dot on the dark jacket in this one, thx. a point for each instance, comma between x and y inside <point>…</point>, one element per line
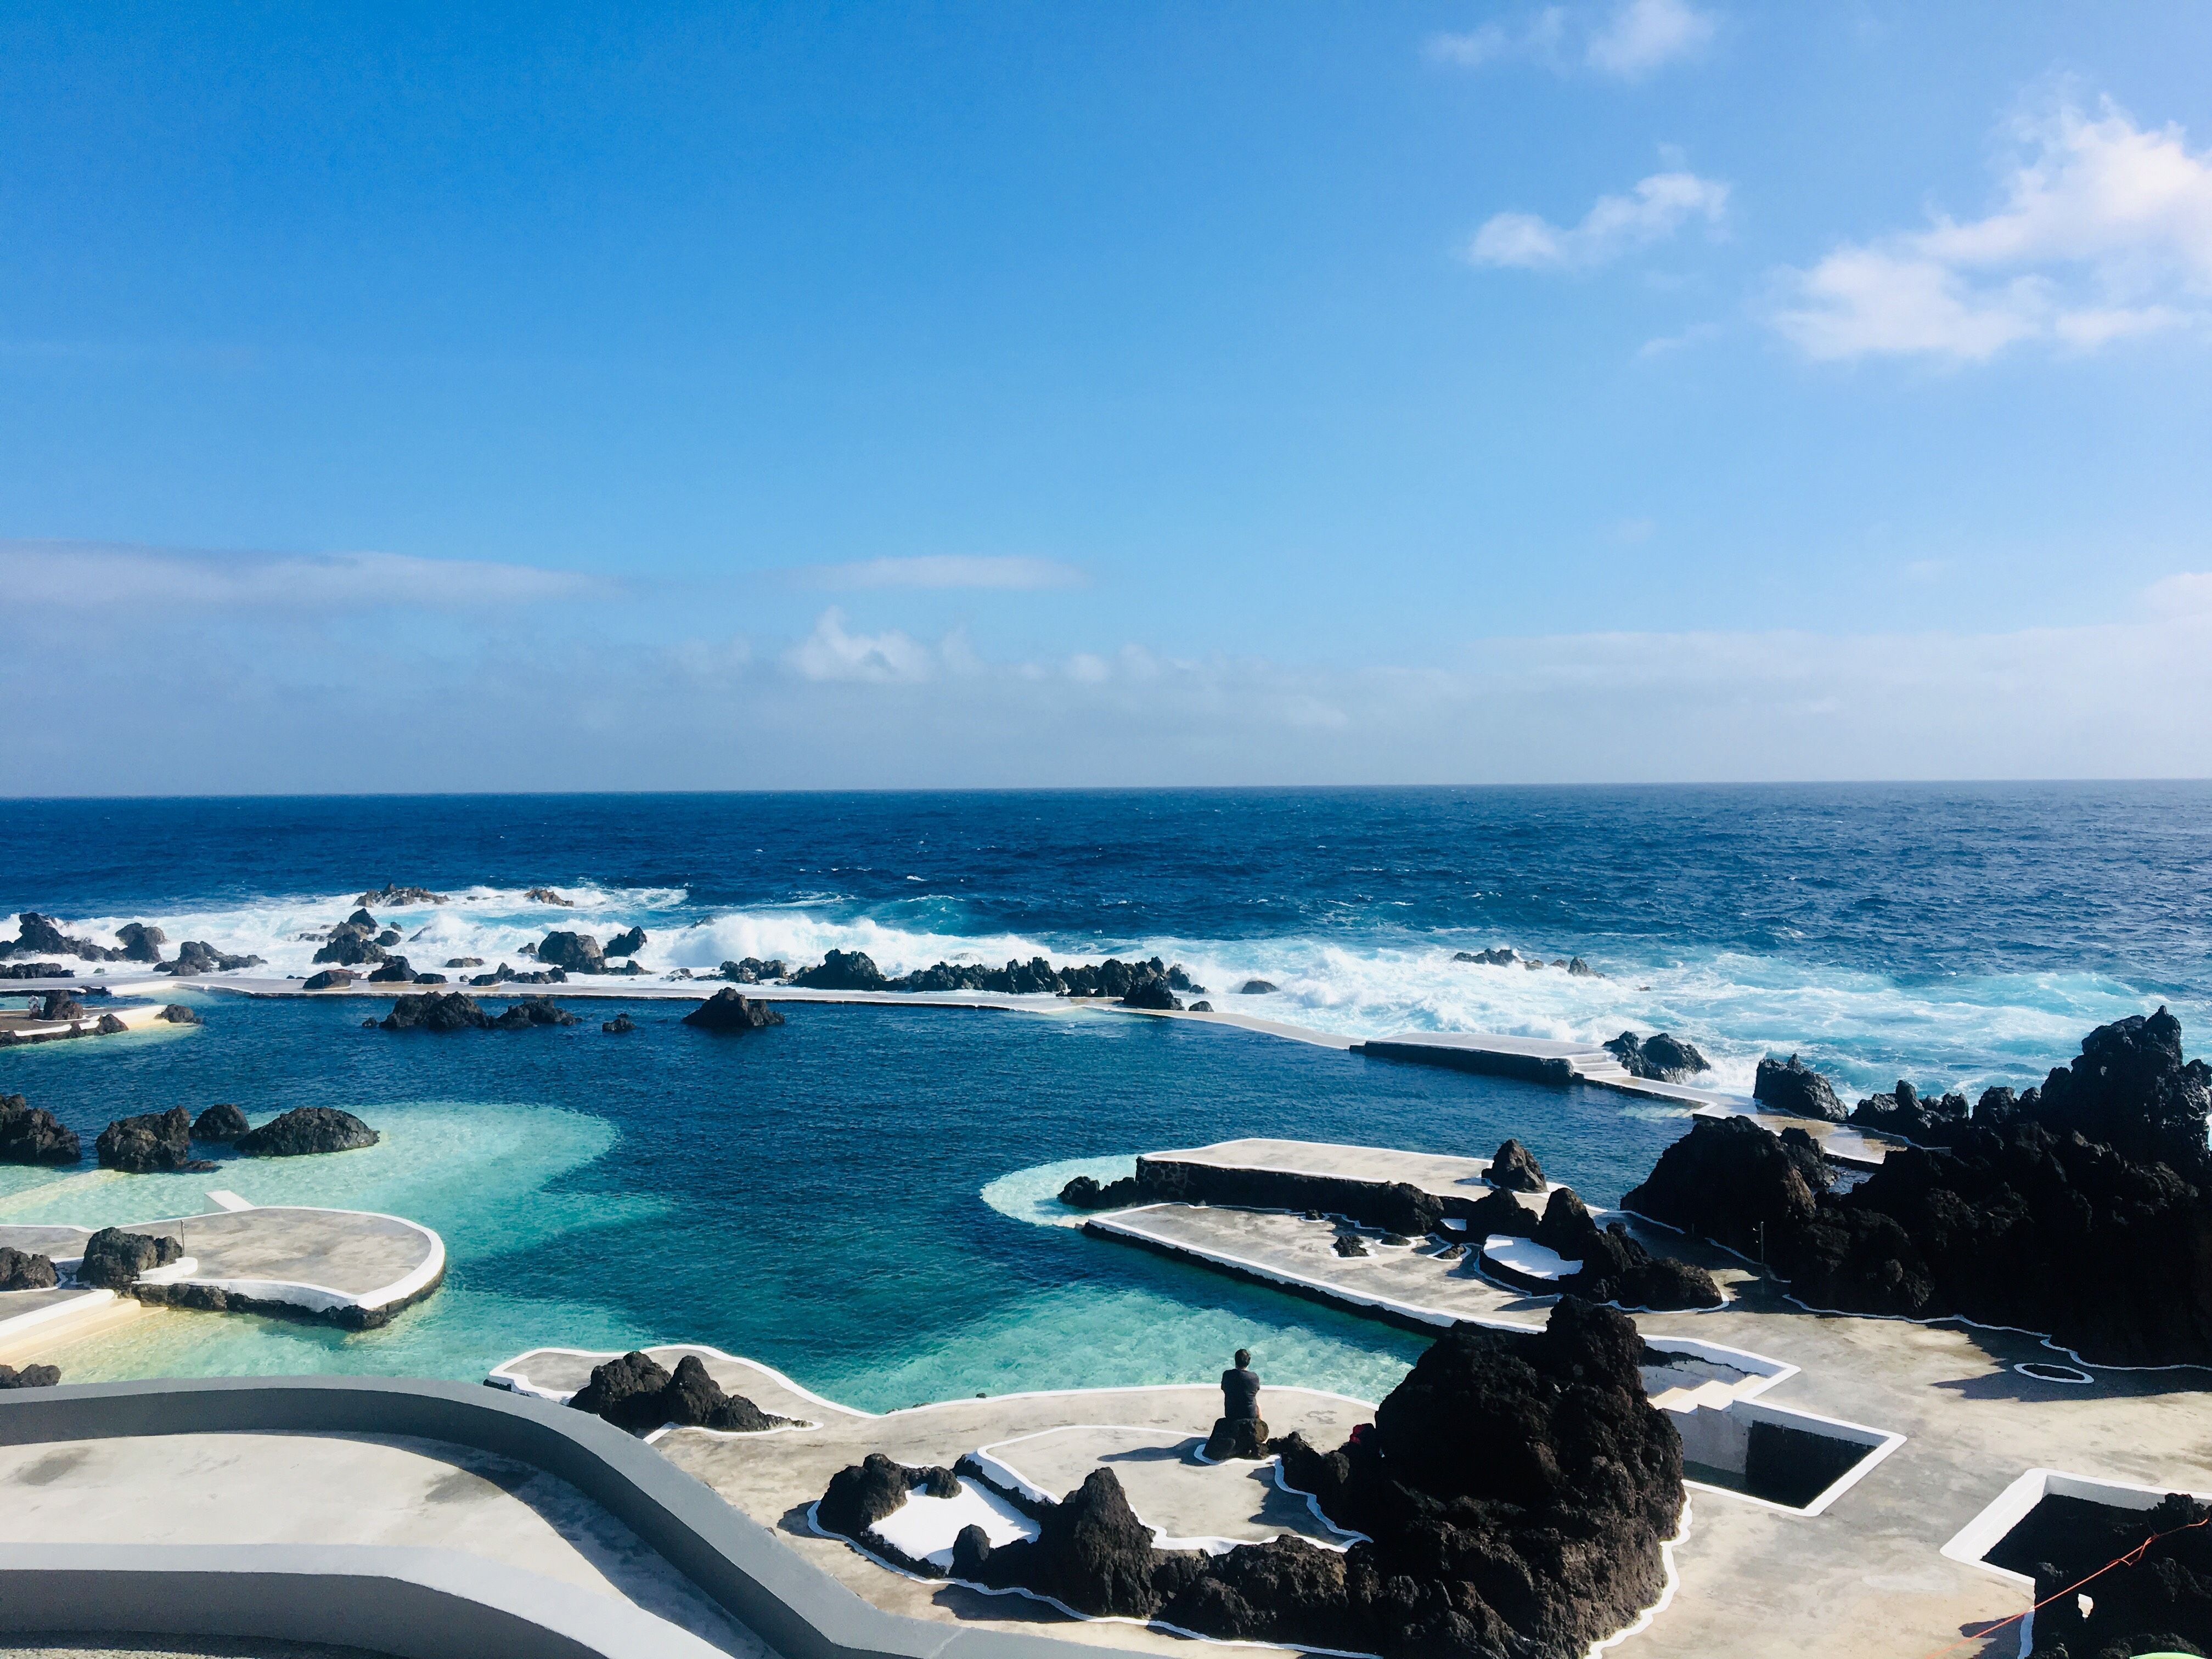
<point>1239,1393</point>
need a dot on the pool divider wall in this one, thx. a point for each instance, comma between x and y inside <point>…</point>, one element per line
<point>794,1607</point>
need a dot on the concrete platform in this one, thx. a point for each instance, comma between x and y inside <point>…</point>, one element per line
<point>248,1489</point>
<point>351,1268</point>
<point>1148,1436</point>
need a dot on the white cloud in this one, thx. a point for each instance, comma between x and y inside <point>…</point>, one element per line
<point>112,576</point>
<point>2188,593</point>
<point>2104,231</point>
<point>943,570</point>
<point>833,652</point>
<point>1644,35</point>
<point>1653,211</point>
<point>1628,42</point>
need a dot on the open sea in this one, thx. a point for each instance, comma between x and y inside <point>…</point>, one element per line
<point>862,1196</point>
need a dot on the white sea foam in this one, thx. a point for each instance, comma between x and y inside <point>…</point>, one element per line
<point>1866,1027</point>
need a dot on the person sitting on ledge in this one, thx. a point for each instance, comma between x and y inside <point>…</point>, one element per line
<point>1240,1431</point>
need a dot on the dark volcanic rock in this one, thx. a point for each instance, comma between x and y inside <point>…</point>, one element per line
<point>1515,1489</point>
<point>1201,1006</point>
<point>464,962</point>
<point>351,945</point>
<point>148,1143</point>
<point>621,945</point>
<point>578,952</point>
<point>113,1258</point>
<point>30,1376</point>
<point>752,971</point>
<point>1236,1436</point>
<point>728,1010</point>
<point>1515,1168</point>
<point>1905,1111</point>
<point>20,1271</point>
<point>619,1024</point>
<point>197,956</point>
<point>42,936</point>
<point>844,971</point>
<point>141,942</point>
<point>109,1025</point>
<point>2018,1218</point>
<point>1500,957</point>
<point>1350,1244</point>
<point>1615,1267</point>
<point>307,1129</point>
<point>547,896</point>
<point>1727,1178</point>
<point>532,1011</point>
<point>866,1493</point>
<point>330,979</point>
<point>1582,969</point>
<point>35,969</point>
<point>221,1122</point>
<point>398,897</point>
<point>1256,987</point>
<point>31,1135</point>
<point>429,979</point>
<point>396,971</point>
<point>59,1005</point>
<point>1153,993</point>
<point>433,1011</point>
<point>176,1013</point>
<point>1660,1059</point>
<point>1086,1194</point>
<point>1180,980</point>
<point>2157,1600</point>
<point>637,1394</point>
<point>1791,1085</point>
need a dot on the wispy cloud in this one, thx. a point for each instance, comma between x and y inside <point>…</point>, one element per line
<point>113,576</point>
<point>834,651</point>
<point>1628,42</point>
<point>2104,231</point>
<point>1653,211</point>
<point>943,570</point>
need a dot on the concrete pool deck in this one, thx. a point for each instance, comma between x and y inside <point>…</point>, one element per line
<point>352,1267</point>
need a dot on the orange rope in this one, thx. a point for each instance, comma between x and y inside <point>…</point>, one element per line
<point>2133,1557</point>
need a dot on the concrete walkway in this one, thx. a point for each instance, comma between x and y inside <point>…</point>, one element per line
<point>326,1489</point>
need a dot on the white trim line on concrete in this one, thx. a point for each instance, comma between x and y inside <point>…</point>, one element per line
<point>1881,1442</point>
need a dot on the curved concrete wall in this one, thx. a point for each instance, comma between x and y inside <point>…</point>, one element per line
<point>794,1607</point>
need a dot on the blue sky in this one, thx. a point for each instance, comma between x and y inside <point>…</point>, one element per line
<point>792,396</point>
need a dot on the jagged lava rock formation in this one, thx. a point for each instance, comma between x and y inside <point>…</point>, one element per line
<point>307,1129</point>
<point>2078,1209</point>
<point>637,1392</point>
<point>1791,1085</point>
<point>1657,1058</point>
<point>32,1135</point>
<point>730,1010</point>
<point>1515,1488</point>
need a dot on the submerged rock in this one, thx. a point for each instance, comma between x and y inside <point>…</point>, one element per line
<point>728,1010</point>
<point>150,1143</point>
<point>113,1258</point>
<point>220,1122</point>
<point>619,1024</point>
<point>532,1011</point>
<point>31,1135</point>
<point>434,1011</point>
<point>1791,1085</point>
<point>1515,1168</point>
<point>305,1130</point>
<point>23,1271</point>
<point>1659,1058</point>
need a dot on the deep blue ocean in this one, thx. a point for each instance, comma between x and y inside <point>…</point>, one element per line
<point>860,1197</point>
